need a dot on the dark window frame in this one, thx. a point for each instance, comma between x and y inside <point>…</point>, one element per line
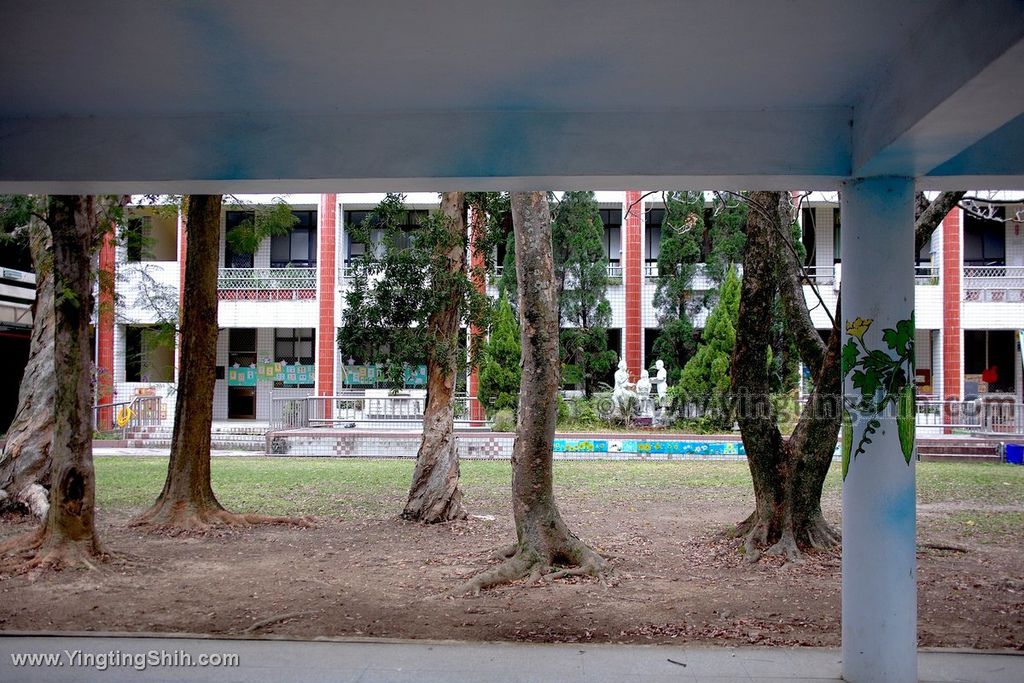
<point>612,220</point>
<point>307,225</point>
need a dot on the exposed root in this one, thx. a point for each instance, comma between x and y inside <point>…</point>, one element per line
<point>783,541</point>
<point>786,547</point>
<point>175,518</point>
<point>33,553</point>
<point>504,552</point>
<point>33,498</point>
<point>276,619</point>
<point>529,563</point>
<point>820,534</point>
<point>757,535</point>
<point>943,546</point>
<point>36,498</point>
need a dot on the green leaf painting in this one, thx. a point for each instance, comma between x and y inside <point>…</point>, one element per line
<point>884,379</point>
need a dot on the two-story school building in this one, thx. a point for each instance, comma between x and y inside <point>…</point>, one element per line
<point>280,307</point>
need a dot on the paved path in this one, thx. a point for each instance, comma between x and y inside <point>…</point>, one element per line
<point>369,661</point>
<point>101,451</point>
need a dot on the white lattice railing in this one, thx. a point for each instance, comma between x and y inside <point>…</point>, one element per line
<point>267,283</point>
<point>994,283</point>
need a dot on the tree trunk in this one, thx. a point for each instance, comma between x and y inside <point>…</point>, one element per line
<point>435,495</point>
<point>25,460</point>
<point>788,474</point>
<point>544,541</point>
<point>68,536</point>
<point>187,501</point>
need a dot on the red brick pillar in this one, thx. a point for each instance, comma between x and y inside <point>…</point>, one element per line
<point>327,227</point>
<point>634,282</point>
<point>952,335</point>
<point>105,330</point>
<point>476,264</point>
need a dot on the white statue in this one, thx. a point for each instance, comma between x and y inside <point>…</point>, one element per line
<point>623,387</point>
<point>643,391</point>
<point>661,381</point>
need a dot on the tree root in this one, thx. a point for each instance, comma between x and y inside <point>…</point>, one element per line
<point>176,518</point>
<point>33,498</point>
<point>530,563</point>
<point>816,534</point>
<point>276,619</point>
<point>33,553</point>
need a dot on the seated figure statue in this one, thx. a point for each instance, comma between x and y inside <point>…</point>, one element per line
<point>624,389</point>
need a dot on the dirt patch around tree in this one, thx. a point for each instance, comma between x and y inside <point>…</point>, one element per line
<point>675,579</point>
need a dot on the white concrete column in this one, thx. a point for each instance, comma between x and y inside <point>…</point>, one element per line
<point>879,497</point>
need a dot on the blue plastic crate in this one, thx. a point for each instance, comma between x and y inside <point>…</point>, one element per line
<point>1015,453</point>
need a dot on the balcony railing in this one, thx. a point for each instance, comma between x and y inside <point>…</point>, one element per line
<point>266,284</point>
<point>994,283</point>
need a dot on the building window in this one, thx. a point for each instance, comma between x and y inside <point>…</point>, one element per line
<point>808,237</point>
<point>985,239</point>
<point>233,259</point>
<point>297,247</point>
<point>652,234</point>
<point>612,219</point>
<point>411,220</point>
<point>837,256</point>
<point>148,354</point>
<point>989,362</point>
<point>294,345</point>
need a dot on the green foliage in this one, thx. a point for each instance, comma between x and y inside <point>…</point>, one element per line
<point>727,236</point>
<point>706,375</point>
<point>397,287</point>
<point>577,236</point>
<point>266,221</point>
<point>504,421</point>
<point>675,345</point>
<point>500,369</point>
<point>682,233</point>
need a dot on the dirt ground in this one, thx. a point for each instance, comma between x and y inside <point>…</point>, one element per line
<point>675,579</point>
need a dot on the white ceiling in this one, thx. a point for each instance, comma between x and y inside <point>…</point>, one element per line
<point>319,95</point>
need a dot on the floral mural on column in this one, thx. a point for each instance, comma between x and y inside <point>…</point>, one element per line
<point>885,379</point>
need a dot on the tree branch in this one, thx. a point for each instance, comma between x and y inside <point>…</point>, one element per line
<point>927,216</point>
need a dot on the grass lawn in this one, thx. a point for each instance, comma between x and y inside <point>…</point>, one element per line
<point>336,487</point>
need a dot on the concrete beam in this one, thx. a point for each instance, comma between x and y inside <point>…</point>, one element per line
<point>955,80</point>
<point>426,151</point>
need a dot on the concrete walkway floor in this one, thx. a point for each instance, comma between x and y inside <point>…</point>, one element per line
<point>124,658</point>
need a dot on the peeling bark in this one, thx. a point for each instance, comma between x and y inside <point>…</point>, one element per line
<point>435,495</point>
<point>25,460</point>
<point>545,548</point>
<point>68,535</point>
<point>187,501</point>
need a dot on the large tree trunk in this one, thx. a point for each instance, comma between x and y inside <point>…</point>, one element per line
<point>187,501</point>
<point>788,474</point>
<point>544,541</point>
<point>435,495</point>
<point>68,536</point>
<point>25,460</point>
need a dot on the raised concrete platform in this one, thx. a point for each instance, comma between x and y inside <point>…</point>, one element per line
<point>377,661</point>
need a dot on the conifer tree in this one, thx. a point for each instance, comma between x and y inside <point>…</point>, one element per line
<point>582,276</point>
<point>707,375</point>
<point>682,233</point>
<point>500,370</point>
